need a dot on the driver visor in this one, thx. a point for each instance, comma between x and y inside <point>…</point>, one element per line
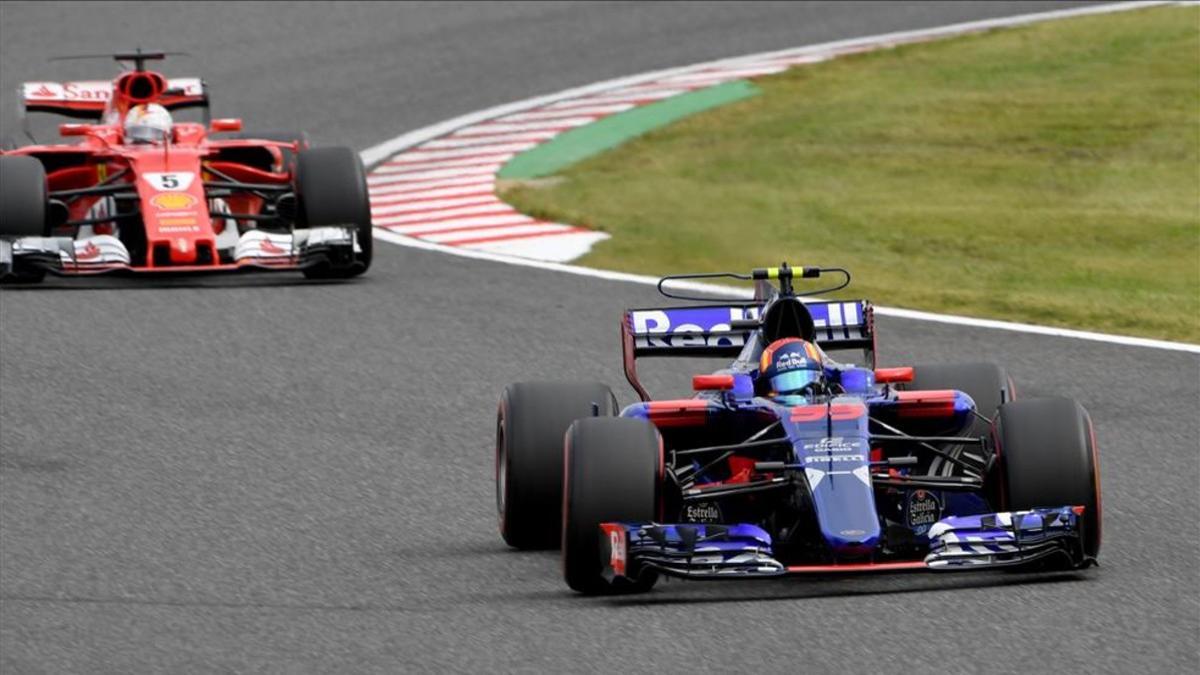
<point>794,380</point>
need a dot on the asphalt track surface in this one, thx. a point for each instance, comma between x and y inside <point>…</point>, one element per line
<point>260,474</point>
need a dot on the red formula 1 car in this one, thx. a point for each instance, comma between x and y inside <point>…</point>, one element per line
<point>185,202</point>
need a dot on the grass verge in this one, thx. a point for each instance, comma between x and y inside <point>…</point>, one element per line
<point>1047,174</point>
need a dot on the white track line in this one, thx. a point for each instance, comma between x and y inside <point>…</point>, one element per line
<point>621,89</point>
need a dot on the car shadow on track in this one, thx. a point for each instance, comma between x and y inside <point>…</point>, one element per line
<point>158,283</point>
<point>817,587</point>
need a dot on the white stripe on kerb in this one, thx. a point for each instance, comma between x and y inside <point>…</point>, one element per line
<point>435,205</point>
<point>407,168</point>
<point>465,223</point>
<point>431,186</point>
<point>467,235</point>
<point>495,207</point>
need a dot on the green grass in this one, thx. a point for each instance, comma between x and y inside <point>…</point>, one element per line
<point>1048,174</point>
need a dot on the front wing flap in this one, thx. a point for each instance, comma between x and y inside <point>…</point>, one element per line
<point>255,249</point>
<point>1009,539</point>
<point>741,551</point>
<point>690,551</point>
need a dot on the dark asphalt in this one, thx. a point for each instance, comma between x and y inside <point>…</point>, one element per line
<point>260,474</point>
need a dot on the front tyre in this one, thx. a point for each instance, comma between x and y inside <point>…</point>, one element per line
<point>1048,459</point>
<point>612,473</point>
<point>331,188</point>
<point>988,385</point>
<point>22,197</point>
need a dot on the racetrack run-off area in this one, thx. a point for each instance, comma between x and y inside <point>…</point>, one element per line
<point>258,474</point>
<point>920,167</point>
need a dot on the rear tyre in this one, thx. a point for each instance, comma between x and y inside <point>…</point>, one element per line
<point>986,383</point>
<point>22,197</point>
<point>613,472</point>
<point>331,187</point>
<point>1048,459</point>
<point>530,424</point>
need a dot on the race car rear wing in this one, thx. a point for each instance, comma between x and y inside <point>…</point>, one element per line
<point>723,331</point>
<point>88,100</point>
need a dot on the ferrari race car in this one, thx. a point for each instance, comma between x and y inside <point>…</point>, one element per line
<point>190,203</point>
<point>932,467</point>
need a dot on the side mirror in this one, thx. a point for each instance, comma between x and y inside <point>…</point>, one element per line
<point>712,382</point>
<point>225,124</point>
<point>74,129</point>
<point>891,375</point>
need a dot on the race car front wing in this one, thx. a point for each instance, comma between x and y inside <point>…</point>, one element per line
<point>742,551</point>
<point>254,249</point>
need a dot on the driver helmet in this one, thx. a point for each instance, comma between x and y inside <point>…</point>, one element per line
<point>147,123</point>
<point>793,367</point>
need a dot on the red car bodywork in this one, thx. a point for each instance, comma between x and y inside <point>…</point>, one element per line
<point>174,184</point>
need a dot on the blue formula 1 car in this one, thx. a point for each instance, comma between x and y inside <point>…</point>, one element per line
<point>788,462</point>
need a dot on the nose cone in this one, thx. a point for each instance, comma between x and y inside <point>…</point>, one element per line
<point>845,507</point>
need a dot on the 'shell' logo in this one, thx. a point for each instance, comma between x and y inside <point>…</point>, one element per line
<point>88,252</point>
<point>174,201</point>
<point>271,247</point>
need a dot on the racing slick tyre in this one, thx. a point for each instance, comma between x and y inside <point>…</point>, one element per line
<point>1048,459</point>
<point>331,188</point>
<point>530,423</point>
<point>986,383</point>
<point>613,468</point>
<point>22,197</point>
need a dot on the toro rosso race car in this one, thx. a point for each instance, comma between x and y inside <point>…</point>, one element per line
<point>788,462</point>
<point>178,200</point>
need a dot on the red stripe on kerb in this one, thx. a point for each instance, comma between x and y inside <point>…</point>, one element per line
<point>461,160</point>
<point>480,210</point>
<point>521,235</point>
<point>456,228</point>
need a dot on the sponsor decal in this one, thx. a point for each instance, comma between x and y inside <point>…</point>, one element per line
<point>177,181</point>
<point>695,326</point>
<point>88,252</point>
<point>689,327</point>
<point>835,458</point>
<point>268,246</point>
<point>833,444</point>
<point>87,91</point>
<point>173,201</point>
<point>168,225</point>
<point>852,533</point>
<point>616,547</point>
<point>702,512</point>
<point>921,510</point>
<point>188,86</point>
<point>43,90</point>
<point>791,361</point>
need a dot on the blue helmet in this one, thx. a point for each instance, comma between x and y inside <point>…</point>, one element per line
<point>791,366</point>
